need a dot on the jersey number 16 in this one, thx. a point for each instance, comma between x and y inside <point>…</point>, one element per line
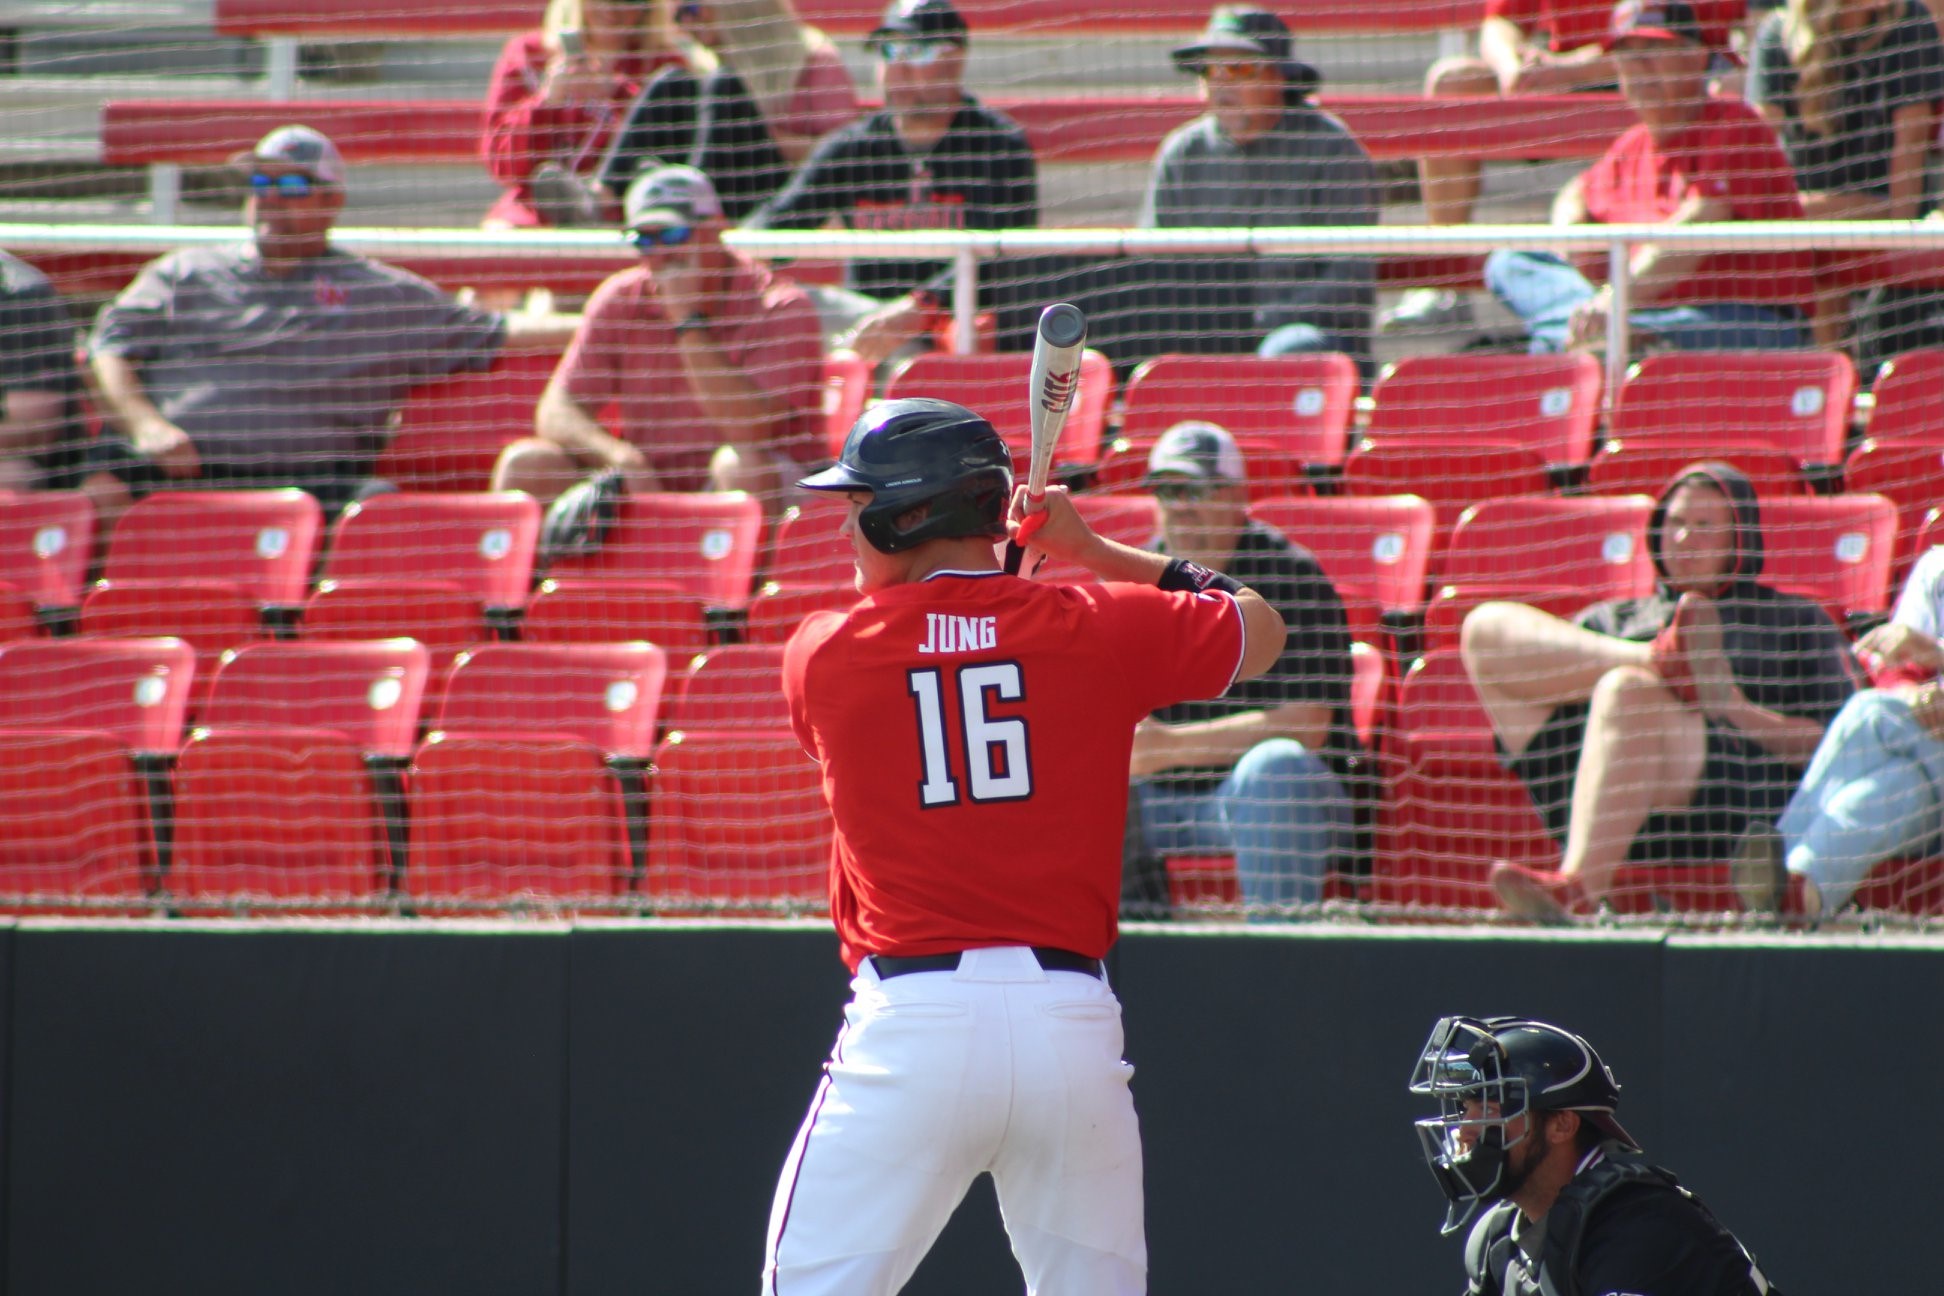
<point>997,765</point>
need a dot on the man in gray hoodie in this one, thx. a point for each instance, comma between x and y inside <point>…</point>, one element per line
<point>1264,155</point>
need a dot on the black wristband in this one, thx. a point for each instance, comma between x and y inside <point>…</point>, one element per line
<point>1193,578</point>
<point>693,324</point>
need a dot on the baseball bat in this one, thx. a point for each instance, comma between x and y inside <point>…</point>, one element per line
<point>1061,337</point>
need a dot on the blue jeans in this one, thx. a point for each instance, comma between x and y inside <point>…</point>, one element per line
<point>1542,290</point>
<point>1872,793</point>
<point>1280,811</point>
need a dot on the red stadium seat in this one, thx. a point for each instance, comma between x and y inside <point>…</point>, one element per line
<point>1284,412</point>
<point>810,550</point>
<point>607,696</point>
<point>1909,397</point>
<point>1452,477</point>
<point>739,823</point>
<point>260,542</point>
<point>18,619</point>
<point>736,686</point>
<point>531,786</point>
<point>996,386</point>
<point>371,693</point>
<point>1547,402</point>
<point>1452,808</point>
<point>1369,689</point>
<point>1797,401</point>
<point>613,611</point>
<point>704,544</point>
<point>1560,553</point>
<point>451,431</point>
<point>446,621</point>
<point>846,390</point>
<point>1836,549</point>
<point>46,542</point>
<point>775,613</point>
<point>480,544</point>
<point>74,820</point>
<point>212,617</point>
<point>135,690</point>
<point>289,793</point>
<point>1375,550</point>
<point>1909,472</point>
<point>1131,519</point>
<point>1644,467</point>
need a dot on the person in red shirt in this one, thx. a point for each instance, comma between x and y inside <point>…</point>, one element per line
<point>713,364</point>
<point>557,98</point>
<point>975,732</point>
<point>1691,160</point>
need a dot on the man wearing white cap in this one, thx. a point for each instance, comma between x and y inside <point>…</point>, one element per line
<point>1263,771</point>
<point>278,362</point>
<point>713,364</point>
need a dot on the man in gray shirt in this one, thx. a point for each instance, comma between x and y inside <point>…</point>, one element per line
<point>278,362</point>
<point>1264,155</point>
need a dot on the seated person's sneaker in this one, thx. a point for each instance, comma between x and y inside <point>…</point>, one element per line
<point>1425,309</point>
<point>1538,895</point>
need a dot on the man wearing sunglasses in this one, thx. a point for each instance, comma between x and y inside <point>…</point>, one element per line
<point>932,158</point>
<point>713,364</point>
<point>277,362</point>
<point>1262,771</point>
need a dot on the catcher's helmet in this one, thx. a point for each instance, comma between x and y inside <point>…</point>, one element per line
<point>1504,1067</point>
<point>920,451</point>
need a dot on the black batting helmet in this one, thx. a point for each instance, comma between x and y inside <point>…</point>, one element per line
<point>923,452</point>
<point>1487,1071</point>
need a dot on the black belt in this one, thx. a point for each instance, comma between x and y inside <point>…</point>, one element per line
<point>1053,960</point>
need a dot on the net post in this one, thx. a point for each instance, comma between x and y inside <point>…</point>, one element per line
<point>1616,321</point>
<point>965,301</point>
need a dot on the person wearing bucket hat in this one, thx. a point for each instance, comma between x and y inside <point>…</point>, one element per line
<point>712,363</point>
<point>1691,159</point>
<point>277,362</point>
<point>1265,155</point>
<point>933,158</point>
<point>1263,771</point>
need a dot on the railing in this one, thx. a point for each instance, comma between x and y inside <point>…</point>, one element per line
<point>967,249</point>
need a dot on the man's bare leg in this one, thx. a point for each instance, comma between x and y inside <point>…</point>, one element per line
<point>1525,663</point>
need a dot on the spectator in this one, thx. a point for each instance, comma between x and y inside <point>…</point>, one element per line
<point>1875,788</point>
<point>1853,87</point>
<point>1656,728</point>
<point>39,383</point>
<point>557,99</point>
<point>933,158</point>
<point>713,364</point>
<point>1263,771</point>
<point>778,87</point>
<point>1690,160</point>
<point>1264,155</point>
<point>279,362</point>
<point>1525,47</point>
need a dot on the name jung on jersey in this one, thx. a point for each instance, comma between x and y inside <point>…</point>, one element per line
<point>951,634</point>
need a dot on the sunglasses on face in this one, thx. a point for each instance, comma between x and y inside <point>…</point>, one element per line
<point>1182,492</point>
<point>667,236</point>
<point>917,53</point>
<point>688,13</point>
<point>289,185</point>
<point>1243,71</point>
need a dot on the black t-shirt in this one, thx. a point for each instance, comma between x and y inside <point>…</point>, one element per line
<point>1315,662</point>
<point>1905,67</point>
<point>979,176</point>
<point>37,340</point>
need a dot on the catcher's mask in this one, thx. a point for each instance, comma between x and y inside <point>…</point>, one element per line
<point>1486,1072</point>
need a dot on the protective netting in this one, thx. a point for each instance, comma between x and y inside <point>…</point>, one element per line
<point>289,623</point>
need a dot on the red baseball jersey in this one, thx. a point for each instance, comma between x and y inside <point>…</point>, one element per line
<point>1727,152</point>
<point>974,731</point>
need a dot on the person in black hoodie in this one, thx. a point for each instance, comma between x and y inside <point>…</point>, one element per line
<point>1654,729</point>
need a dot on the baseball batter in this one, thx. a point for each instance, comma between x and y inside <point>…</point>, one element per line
<point>974,730</point>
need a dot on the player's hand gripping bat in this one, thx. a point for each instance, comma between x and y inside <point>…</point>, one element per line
<point>1061,338</point>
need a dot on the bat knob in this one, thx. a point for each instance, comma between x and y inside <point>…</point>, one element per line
<point>1062,324</point>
